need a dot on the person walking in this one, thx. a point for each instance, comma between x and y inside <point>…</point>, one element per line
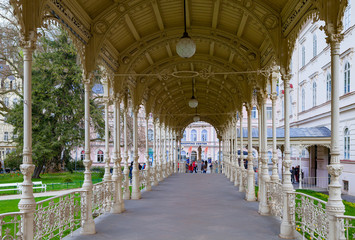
<point>205,167</point>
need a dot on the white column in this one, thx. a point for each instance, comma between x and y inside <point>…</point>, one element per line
<point>107,176</point>
<point>88,225</point>
<point>27,204</point>
<point>287,228</point>
<point>161,152</point>
<point>250,195</point>
<point>164,152</point>
<point>263,206</point>
<point>118,205</point>
<point>334,205</point>
<point>155,160</point>
<point>236,160</point>
<point>259,153</point>
<point>147,163</point>
<point>275,176</point>
<point>241,167</point>
<point>127,192</point>
<point>219,155</point>
<point>176,158</point>
<point>136,193</point>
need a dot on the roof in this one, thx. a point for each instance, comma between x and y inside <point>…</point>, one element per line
<point>312,132</point>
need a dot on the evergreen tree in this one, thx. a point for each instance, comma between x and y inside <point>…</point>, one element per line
<point>57,106</point>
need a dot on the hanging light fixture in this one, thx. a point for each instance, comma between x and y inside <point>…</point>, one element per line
<point>193,103</point>
<point>196,117</point>
<point>186,47</point>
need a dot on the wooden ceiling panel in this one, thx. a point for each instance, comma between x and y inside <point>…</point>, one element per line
<point>172,13</point>
<point>121,37</point>
<point>94,8</point>
<point>201,13</point>
<point>230,19</point>
<point>145,21</point>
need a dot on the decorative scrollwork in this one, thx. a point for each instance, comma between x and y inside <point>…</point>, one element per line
<point>275,198</point>
<point>102,197</point>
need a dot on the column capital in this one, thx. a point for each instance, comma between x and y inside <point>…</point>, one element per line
<point>29,42</point>
<point>333,37</point>
<point>286,78</point>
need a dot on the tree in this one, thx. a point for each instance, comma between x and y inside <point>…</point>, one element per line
<point>57,106</point>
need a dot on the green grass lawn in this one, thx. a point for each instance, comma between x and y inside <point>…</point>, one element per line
<point>12,205</point>
<point>54,181</point>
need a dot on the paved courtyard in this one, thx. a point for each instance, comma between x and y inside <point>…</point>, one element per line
<point>188,206</point>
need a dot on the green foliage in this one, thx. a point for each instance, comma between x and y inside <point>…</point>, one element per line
<point>67,180</point>
<point>57,105</point>
<point>99,170</point>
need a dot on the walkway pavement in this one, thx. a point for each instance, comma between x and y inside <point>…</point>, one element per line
<point>188,207</point>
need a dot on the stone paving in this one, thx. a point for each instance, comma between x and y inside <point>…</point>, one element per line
<point>188,206</point>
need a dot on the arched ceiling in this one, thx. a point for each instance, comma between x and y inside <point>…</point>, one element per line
<point>134,37</point>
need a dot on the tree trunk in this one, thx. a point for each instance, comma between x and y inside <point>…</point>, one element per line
<point>37,171</point>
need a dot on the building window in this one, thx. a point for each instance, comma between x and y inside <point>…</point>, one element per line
<point>269,113</point>
<point>329,86</point>
<point>193,135</point>
<point>150,135</point>
<point>7,85</point>
<point>269,156</point>
<point>183,155</point>
<point>303,56</point>
<point>346,144</point>
<point>314,45</point>
<point>82,155</point>
<point>314,94</point>
<point>100,156</point>
<point>347,77</point>
<point>6,101</point>
<point>303,100</point>
<point>346,185</point>
<point>184,136</point>
<point>6,136</point>
<point>14,102</point>
<point>347,16</point>
<point>253,112</point>
<point>204,135</point>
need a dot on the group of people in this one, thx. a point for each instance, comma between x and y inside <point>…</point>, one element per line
<point>200,166</point>
<point>295,174</point>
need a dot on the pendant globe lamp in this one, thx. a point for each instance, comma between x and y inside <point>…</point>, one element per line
<point>186,47</point>
<point>193,103</point>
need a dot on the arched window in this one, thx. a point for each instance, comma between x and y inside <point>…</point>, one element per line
<point>329,86</point>
<point>253,112</point>
<point>314,94</point>
<point>193,135</point>
<point>82,155</point>
<point>346,143</point>
<point>347,77</point>
<point>303,56</point>
<point>100,156</point>
<point>303,99</point>
<point>184,136</point>
<point>314,45</point>
<point>204,135</point>
<point>347,16</point>
<point>183,155</point>
<point>150,135</point>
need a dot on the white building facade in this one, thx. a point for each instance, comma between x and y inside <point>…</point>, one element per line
<point>310,97</point>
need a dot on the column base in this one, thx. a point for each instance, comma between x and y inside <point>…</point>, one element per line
<point>264,210</point>
<point>136,195</point>
<point>287,231</point>
<point>126,196</point>
<point>88,227</point>
<point>148,188</point>
<point>116,209</point>
<point>250,198</point>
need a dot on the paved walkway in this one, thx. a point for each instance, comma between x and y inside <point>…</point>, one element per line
<point>188,207</point>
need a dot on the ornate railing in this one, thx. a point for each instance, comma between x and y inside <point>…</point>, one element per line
<point>309,215</point>
<point>245,179</point>
<point>275,198</point>
<point>10,225</point>
<point>102,197</point>
<point>346,226</point>
<point>58,216</point>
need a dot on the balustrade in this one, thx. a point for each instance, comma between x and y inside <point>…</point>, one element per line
<point>10,225</point>
<point>102,197</point>
<point>275,198</point>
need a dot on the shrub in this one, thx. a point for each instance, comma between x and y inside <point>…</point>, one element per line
<point>67,180</point>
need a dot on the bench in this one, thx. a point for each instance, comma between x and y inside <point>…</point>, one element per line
<point>8,187</point>
<point>18,186</point>
<point>36,185</point>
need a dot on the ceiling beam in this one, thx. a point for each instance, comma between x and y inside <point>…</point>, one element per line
<point>215,14</point>
<point>242,25</point>
<point>149,58</point>
<point>158,15</point>
<point>168,49</point>
<point>132,28</point>
<point>211,48</point>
